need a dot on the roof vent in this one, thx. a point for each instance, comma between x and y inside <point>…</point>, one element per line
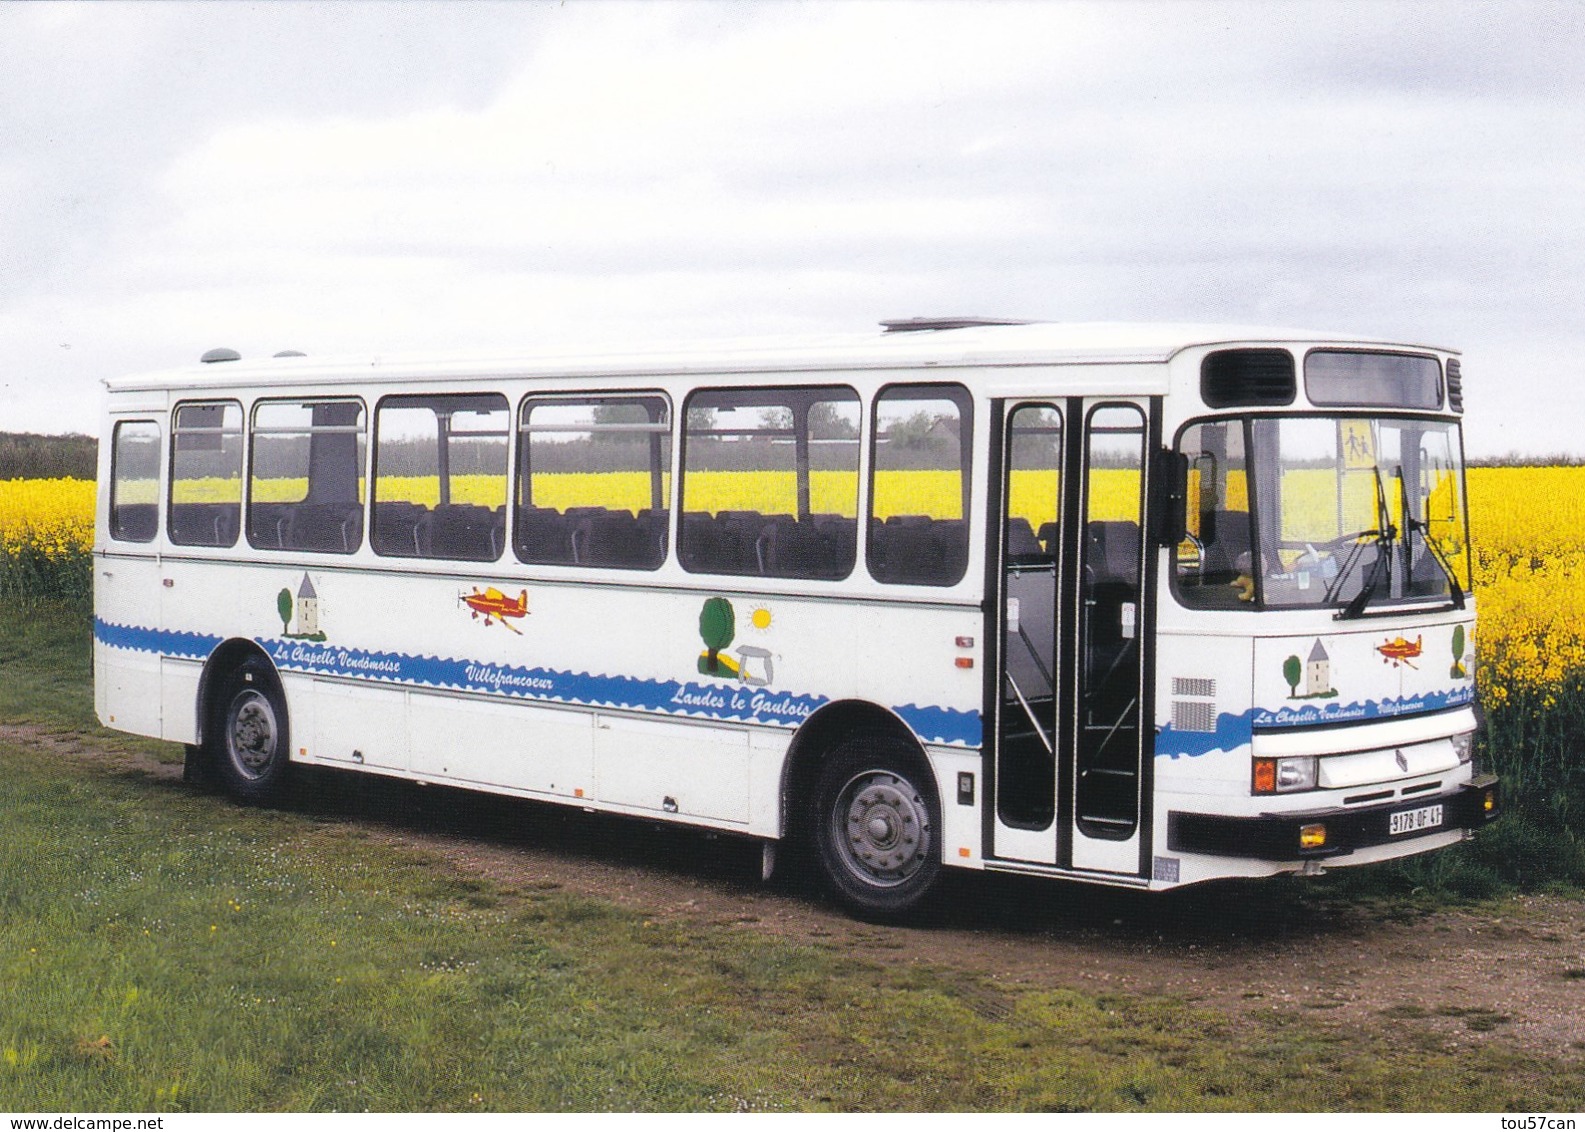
<point>290,354</point>
<point>902,325</point>
<point>1247,377</point>
<point>1455,386</point>
<point>221,354</point>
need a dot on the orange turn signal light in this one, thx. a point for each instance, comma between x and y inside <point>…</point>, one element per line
<point>1265,778</point>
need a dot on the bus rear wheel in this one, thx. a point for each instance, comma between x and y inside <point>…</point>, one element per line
<point>877,828</point>
<point>249,742</point>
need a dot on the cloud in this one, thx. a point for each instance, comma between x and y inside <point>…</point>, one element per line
<point>376,177</point>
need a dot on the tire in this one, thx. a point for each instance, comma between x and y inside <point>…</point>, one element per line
<point>877,828</point>
<point>249,741</point>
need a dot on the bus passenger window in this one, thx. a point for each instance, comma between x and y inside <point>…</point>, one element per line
<point>135,481</point>
<point>770,482</point>
<point>1213,564</point>
<point>205,507</point>
<point>305,486</point>
<point>919,486</point>
<point>593,481</point>
<point>440,477</point>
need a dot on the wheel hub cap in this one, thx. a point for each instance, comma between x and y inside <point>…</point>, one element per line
<point>886,827</point>
<point>253,735</point>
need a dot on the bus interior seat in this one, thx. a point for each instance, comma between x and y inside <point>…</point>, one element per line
<point>322,526</point>
<point>1022,545</point>
<point>607,537</point>
<point>543,536</point>
<point>918,550</point>
<point>204,524</point>
<point>399,527</point>
<point>135,522</point>
<point>466,531</point>
<point>1225,542</point>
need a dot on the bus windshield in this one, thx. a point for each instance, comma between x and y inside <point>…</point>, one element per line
<point>1341,512</point>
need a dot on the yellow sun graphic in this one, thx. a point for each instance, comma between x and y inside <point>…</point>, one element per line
<point>760,619</point>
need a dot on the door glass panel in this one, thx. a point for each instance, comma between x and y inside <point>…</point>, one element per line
<point>1026,768</point>
<point>1106,783</point>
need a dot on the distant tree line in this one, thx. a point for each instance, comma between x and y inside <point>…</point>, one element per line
<point>28,456</point>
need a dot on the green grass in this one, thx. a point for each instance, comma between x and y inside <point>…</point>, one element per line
<point>47,662</point>
<point>162,949</point>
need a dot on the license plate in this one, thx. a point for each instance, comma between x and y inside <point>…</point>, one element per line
<point>1415,821</point>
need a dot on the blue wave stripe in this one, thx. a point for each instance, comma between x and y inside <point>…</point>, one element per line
<point>1234,731</point>
<point>1309,715</point>
<point>166,642</point>
<point>726,702</point>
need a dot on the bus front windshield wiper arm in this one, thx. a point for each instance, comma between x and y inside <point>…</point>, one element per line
<point>1454,589</point>
<point>1382,537</point>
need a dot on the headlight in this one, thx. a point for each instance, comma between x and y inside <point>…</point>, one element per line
<point>1282,776</point>
<point>1464,746</point>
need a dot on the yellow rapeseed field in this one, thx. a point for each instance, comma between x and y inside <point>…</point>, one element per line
<point>1528,532</point>
<point>54,517</point>
<point>1528,529</point>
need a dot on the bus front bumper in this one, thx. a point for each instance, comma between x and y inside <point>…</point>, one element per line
<point>1337,831</point>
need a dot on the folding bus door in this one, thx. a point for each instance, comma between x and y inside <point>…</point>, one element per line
<point>1075,619</point>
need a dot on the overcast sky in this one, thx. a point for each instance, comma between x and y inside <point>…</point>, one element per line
<point>335,177</point>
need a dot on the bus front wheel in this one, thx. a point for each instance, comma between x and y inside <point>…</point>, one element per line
<point>877,828</point>
<point>249,742</point>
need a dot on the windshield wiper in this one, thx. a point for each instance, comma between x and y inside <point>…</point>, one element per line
<point>1455,591</point>
<point>1382,538</point>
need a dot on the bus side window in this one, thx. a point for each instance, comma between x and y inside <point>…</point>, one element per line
<point>205,507</point>
<point>770,482</point>
<point>135,481</point>
<point>1213,563</point>
<point>919,485</point>
<point>305,486</point>
<point>440,476</point>
<point>594,481</point>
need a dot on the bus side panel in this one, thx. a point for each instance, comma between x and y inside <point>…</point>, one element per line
<point>687,768</point>
<point>1203,730</point>
<point>179,680</point>
<point>960,784</point>
<point>665,701</point>
<point>126,643</point>
<point>360,724</point>
<point>519,746</point>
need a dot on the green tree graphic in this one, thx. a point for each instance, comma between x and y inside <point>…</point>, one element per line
<point>283,606</point>
<point>1292,669</point>
<point>717,626</point>
<point>1458,653</point>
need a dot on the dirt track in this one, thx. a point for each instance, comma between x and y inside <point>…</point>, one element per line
<point>1513,971</point>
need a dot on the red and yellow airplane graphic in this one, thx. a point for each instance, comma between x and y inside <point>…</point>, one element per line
<point>1400,651</point>
<point>495,606</point>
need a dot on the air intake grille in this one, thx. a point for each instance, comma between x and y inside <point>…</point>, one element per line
<point>1193,715</point>
<point>1193,686</point>
<point>1247,377</point>
<point>1455,386</point>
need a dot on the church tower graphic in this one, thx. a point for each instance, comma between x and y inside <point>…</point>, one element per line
<point>1318,672</point>
<point>307,609</point>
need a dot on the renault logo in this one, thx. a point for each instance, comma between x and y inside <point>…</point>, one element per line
<point>1403,763</point>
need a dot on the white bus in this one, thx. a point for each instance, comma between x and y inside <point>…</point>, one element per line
<point>1140,605</point>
